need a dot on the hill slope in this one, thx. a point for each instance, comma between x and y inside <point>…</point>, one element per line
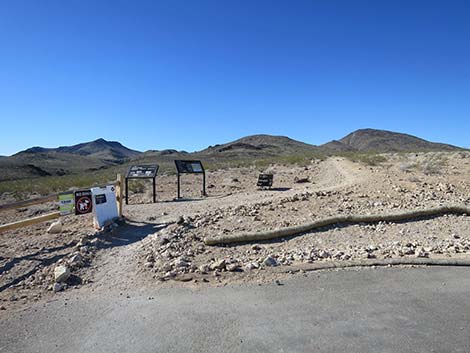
<point>102,154</point>
<point>372,140</point>
<point>88,156</point>
<point>99,149</point>
<point>262,144</point>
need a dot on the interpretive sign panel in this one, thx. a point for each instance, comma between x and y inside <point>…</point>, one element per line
<point>142,172</point>
<point>265,180</point>
<point>190,167</point>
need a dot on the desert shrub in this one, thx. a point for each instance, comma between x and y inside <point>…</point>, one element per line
<point>366,158</point>
<point>408,166</point>
<point>136,186</point>
<point>24,188</point>
<point>433,164</point>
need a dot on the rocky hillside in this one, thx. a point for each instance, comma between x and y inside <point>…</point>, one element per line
<point>88,156</point>
<point>100,149</point>
<point>262,144</point>
<point>102,154</point>
<point>371,140</point>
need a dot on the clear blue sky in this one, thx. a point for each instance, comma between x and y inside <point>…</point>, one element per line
<point>187,74</point>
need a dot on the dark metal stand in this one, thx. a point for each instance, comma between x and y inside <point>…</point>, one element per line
<point>203,184</point>
<point>154,189</point>
<point>179,186</point>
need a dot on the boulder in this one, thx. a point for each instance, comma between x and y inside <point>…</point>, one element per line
<point>55,228</point>
<point>61,273</point>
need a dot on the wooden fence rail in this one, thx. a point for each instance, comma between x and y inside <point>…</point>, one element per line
<point>50,216</point>
<point>29,202</point>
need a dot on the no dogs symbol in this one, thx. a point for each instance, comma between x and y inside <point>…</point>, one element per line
<point>83,202</point>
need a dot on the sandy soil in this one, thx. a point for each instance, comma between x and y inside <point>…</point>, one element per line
<point>161,244</point>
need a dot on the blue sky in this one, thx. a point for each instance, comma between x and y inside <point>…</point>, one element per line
<point>188,74</point>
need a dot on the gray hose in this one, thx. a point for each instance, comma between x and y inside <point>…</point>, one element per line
<point>304,228</point>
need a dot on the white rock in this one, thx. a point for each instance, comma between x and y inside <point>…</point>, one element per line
<point>270,261</point>
<point>61,273</point>
<point>57,287</point>
<point>218,265</point>
<point>55,227</point>
<point>232,267</point>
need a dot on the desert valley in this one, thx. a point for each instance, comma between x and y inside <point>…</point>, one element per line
<point>164,244</point>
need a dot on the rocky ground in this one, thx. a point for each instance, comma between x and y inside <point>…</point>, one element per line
<point>162,244</point>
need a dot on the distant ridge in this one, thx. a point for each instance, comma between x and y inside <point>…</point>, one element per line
<point>100,149</point>
<point>262,143</point>
<point>372,140</point>
<point>101,154</point>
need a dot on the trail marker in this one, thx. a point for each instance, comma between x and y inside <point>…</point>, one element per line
<point>190,167</point>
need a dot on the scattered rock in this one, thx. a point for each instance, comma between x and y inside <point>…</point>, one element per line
<point>270,261</point>
<point>61,273</point>
<point>57,287</point>
<point>76,260</point>
<point>218,265</point>
<point>232,267</point>
<point>252,266</point>
<point>55,228</point>
<point>301,180</point>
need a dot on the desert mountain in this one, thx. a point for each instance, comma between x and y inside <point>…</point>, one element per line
<point>100,149</point>
<point>102,154</point>
<point>262,144</point>
<point>88,156</point>
<point>371,140</point>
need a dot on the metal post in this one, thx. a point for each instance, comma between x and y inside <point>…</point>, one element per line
<point>204,184</point>
<point>127,191</point>
<point>154,191</point>
<point>179,196</point>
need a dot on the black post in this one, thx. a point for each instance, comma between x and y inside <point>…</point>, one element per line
<point>204,184</point>
<point>154,191</point>
<point>127,191</point>
<point>179,186</point>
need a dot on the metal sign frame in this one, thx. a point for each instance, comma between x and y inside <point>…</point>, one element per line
<point>265,180</point>
<point>190,167</point>
<point>148,171</point>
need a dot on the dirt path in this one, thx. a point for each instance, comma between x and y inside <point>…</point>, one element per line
<point>118,267</point>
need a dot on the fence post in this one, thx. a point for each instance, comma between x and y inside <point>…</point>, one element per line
<point>119,196</point>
